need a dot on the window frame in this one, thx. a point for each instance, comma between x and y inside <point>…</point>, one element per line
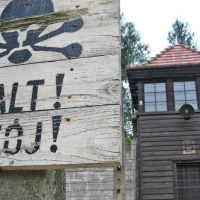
<point>154,97</point>
<point>169,92</point>
<point>183,97</point>
<point>187,79</point>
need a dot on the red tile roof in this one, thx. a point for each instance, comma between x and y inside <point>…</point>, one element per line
<point>173,55</point>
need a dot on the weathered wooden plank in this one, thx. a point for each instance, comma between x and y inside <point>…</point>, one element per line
<point>157,179</point>
<point>156,168</point>
<point>180,123</point>
<point>60,88</point>
<point>172,157</point>
<point>167,134</point>
<point>157,188</point>
<point>86,137</point>
<point>157,174</point>
<point>86,82</point>
<point>163,117</point>
<point>158,196</point>
<point>169,129</point>
<point>61,5</point>
<point>101,37</point>
<point>147,191</point>
<point>166,148</point>
<point>168,139</point>
<point>162,153</point>
<point>169,143</point>
<point>157,163</point>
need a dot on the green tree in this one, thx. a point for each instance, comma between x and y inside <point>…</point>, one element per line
<point>133,51</point>
<point>181,34</point>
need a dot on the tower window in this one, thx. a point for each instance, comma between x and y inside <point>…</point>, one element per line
<point>155,97</point>
<point>185,92</point>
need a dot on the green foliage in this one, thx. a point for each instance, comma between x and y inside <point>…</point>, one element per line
<point>133,51</point>
<point>127,138</point>
<point>181,34</point>
<point>127,106</point>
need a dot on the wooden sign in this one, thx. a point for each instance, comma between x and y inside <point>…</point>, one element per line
<point>60,87</point>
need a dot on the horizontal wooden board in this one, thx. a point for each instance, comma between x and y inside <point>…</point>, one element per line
<point>170,129</point>
<point>87,137</point>
<point>156,168</point>
<point>157,174</point>
<point>158,196</point>
<point>172,157</point>
<point>168,139</point>
<point>163,143</point>
<point>157,185</point>
<point>167,134</point>
<point>163,153</point>
<point>98,35</point>
<point>86,82</point>
<point>157,180</point>
<point>169,124</point>
<point>166,148</point>
<point>158,191</point>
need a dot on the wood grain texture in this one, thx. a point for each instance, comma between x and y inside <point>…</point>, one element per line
<point>92,81</point>
<point>86,130</point>
<point>99,35</point>
<point>87,137</point>
<point>161,147</point>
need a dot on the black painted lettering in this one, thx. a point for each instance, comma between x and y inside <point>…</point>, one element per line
<point>2,101</point>
<point>56,121</point>
<point>18,146</point>
<point>12,108</point>
<point>35,85</point>
<point>59,82</point>
<point>37,139</point>
<point>16,126</point>
<point>19,129</point>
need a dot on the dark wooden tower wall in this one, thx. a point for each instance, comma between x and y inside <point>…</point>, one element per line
<point>168,146</point>
<point>163,141</point>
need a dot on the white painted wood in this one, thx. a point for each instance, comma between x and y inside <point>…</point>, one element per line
<point>98,36</point>
<point>90,130</point>
<point>91,138</point>
<point>93,81</point>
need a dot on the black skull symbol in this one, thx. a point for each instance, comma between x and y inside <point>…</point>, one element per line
<point>20,9</point>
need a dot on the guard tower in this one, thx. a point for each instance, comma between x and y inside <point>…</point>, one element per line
<point>166,93</point>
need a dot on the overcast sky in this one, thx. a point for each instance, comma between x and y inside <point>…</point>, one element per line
<point>154,18</point>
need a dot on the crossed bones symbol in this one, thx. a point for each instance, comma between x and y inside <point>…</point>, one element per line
<point>73,50</point>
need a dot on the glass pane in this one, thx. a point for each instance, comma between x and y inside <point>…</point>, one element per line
<point>178,86</point>
<point>178,104</point>
<point>179,96</point>
<point>191,95</point>
<point>149,88</point>
<point>190,85</point>
<point>161,96</point>
<point>149,97</point>
<point>193,103</point>
<point>161,106</point>
<point>160,87</point>
<point>150,107</point>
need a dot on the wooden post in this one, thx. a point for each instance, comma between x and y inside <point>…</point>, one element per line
<point>119,179</point>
